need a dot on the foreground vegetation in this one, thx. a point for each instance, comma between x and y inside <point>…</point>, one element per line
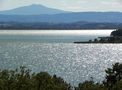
<point>23,79</point>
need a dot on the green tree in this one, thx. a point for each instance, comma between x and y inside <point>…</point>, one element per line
<point>113,75</point>
<point>23,79</point>
<point>118,86</point>
<point>89,85</point>
<point>46,82</point>
<point>117,32</point>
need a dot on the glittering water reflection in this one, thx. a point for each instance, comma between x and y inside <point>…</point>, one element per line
<point>73,62</point>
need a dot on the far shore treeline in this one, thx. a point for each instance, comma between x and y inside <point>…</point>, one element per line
<point>57,26</point>
<point>37,16</point>
<point>24,79</point>
<point>115,37</point>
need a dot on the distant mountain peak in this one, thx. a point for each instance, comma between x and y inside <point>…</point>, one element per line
<point>34,9</point>
<point>35,5</point>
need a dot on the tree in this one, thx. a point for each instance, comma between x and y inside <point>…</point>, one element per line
<point>95,40</point>
<point>23,79</point>
<point>113,75</point>
<point>117,32</point>
<point>90,85</point>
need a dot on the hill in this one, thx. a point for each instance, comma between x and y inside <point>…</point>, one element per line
<point>96,17</point>
<point>34,9</point>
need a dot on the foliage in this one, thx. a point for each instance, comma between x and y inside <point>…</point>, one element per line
<point>113,80</point>
<point>117,32</point>
<point>21,79</point>
<point>117,86</point>
<point>113,75</point>
<point>87,85</point>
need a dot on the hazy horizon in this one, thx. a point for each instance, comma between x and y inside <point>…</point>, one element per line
<point>55,8</point>
<point>67,5</point>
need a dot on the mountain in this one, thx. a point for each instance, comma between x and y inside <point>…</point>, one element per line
<point>39,13</point>
<point>34,9</point>
<point>91,17</point>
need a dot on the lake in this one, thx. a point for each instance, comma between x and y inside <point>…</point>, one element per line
<point>55,36</point>
<point>73,62</point>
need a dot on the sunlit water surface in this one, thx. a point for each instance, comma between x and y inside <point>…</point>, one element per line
<point>73,62</point>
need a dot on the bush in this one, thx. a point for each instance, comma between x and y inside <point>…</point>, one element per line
<point>22,79</point>
<point>90,85</point>
<point>113,75</point>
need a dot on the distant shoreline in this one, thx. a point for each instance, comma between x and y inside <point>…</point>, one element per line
<point>87,42</point>
<point>115,37</point>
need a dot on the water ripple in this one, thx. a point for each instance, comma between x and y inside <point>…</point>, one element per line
<point>75,63</point>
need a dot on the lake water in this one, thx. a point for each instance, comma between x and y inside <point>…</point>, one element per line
<point>55,36</point>
<point>73,62</point>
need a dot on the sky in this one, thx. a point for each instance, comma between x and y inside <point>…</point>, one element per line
<point>67,5</point>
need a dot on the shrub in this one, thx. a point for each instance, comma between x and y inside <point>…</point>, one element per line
<point>22,79</point>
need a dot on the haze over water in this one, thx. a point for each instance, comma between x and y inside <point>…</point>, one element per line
<point>53,35</point>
